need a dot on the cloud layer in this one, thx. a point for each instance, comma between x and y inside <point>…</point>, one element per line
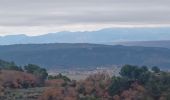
<point>35,17</point>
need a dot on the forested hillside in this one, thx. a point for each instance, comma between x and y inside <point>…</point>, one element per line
<point>82,55</point>
<point>160,43</point>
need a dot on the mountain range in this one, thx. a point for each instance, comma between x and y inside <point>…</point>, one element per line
<point>103,36</point>
<point>66,55</point>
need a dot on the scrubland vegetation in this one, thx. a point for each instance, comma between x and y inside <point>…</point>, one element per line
<point>32,82</point>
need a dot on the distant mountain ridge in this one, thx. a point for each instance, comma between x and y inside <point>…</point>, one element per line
<point>101,36</point>
<point>84,55</point>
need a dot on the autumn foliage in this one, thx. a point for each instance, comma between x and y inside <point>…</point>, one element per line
<point>55,82</point>
<point>95,85</point>
<point>59,93</point>
<point>133,83</point>
<point>17,79</point>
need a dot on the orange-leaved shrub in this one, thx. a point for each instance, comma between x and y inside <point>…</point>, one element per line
<point>17,79</point>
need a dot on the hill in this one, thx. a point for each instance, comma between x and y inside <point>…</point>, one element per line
<point>84,55</point>
<point>108,35</point>
<point>160,43</point>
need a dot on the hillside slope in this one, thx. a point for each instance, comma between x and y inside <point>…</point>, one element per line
<point>83,55</point>
<point>160,43</point>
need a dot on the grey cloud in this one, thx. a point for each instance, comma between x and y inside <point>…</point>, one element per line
<point>61,12</point>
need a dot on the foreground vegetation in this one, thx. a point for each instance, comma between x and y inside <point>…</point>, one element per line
<point>32,82</point>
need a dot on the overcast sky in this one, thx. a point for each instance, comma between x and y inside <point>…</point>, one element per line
<point>34,17</point>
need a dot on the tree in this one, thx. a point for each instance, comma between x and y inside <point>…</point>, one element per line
<point>155,69</point>
<point>144,68</point>
<point>118,85</point>
<point>36,70</point>
<point>135,73</point>
<point>9,66</point>
<point>31,68</point>
<point>159,85</point>
<point>128,71</point>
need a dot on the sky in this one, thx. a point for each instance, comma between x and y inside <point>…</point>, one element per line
<point>35,17</point>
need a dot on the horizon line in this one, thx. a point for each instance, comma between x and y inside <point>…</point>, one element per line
<point>78,28</point>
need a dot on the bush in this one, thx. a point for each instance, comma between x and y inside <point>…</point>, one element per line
<point>59,76</point>
<point>36,70</point>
